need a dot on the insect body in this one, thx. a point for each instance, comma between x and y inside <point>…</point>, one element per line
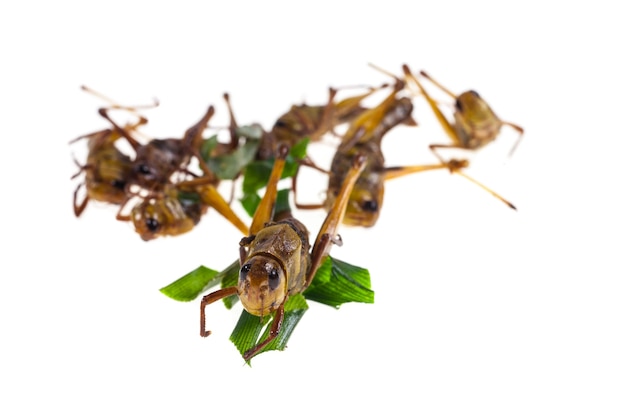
<point>168,205</point>
<point>276,259</point>
<point>313,122</point>
<point>156,161</point>
<point>475,123</point>
<point>364,136</point>
<point>108,171</point>
<point>178,208</point>
<point>475,126</point>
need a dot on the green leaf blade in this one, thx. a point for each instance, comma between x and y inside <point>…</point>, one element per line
<point>190,285</point>
<point>246,333</point>
<point>338,282</point>
<point>229,166</point>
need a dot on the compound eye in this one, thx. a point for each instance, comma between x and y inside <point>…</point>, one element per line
<point>119,184</point>
<point>152,224</point>
<point>273,278</point>
<point>143,169</point>
<point>458,105</point>
<point>370,205</point>
<point>280,123</point>
<point>474,93</point>
<point>244,271</point>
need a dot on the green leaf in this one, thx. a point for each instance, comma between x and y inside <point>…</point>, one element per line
<point>229,166</point>
<point>250,202</point>
<point>298,150</point>
<point>335,283</point>
<point>189,286</point>
<point>230,278</point>
<point>246,333</point>
<point>188,197</point>
<point>296,153</point>
<point>338,282</point>
<point>282,201</point>
<point>207,147</point>
<point>257,173</point>
<point>254,131</point>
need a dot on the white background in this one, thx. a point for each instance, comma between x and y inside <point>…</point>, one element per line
<point>479,310</point>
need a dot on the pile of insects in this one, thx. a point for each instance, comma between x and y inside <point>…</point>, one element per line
<point>164,186</point>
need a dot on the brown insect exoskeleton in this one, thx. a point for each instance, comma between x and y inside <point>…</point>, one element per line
<point>167,206</point>
<point>156,161</point>
<point>108,171</point>
<point>178,208</point>
<point>475,125</point>
<point>304,121</point>
<point>276,259</point>
<point>364,136</point>
<point>313,122</point>
<point>268,142</point>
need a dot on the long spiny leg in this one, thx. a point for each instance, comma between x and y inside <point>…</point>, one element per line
<point>401,171</point>
<point>192,140</point>
<point>438,84</point>
<point>212,197</point>
<point>115,105</point>
<point>97,137</point>
<point>399,82</point>
<point>362,128</point>
<point>104,112</point>
<point>277,322</point>
<point>445,123</point>
<point>484,187</point>
<point>328,231</point>
<point>79,208</point>
<point>434,146</point>
<point>120,215</point>
<point>211,298</point>
<point>131,109</point>
<point>232,125</point>
<point>265,209</point>
<point>326,121</point>
<point>193,135</point>
<point>520,130</point>
<point>294,186</point>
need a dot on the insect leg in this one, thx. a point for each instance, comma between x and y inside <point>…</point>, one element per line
<point>104,112</point>
<point>210,196</point>
<point>400,171</point>
<point>79,208</point>
<point>328,231</point>
<point>326,121</point>
<point>294,188</point>
<point>114,105</point>
<point>193,135</point>
<point>484,187</point>
<point>447,126</point>
<point>211,298</point>
<point>455,166</point>
<point>265,209</point>
<point>519,138</point>
<point>279,315</point>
